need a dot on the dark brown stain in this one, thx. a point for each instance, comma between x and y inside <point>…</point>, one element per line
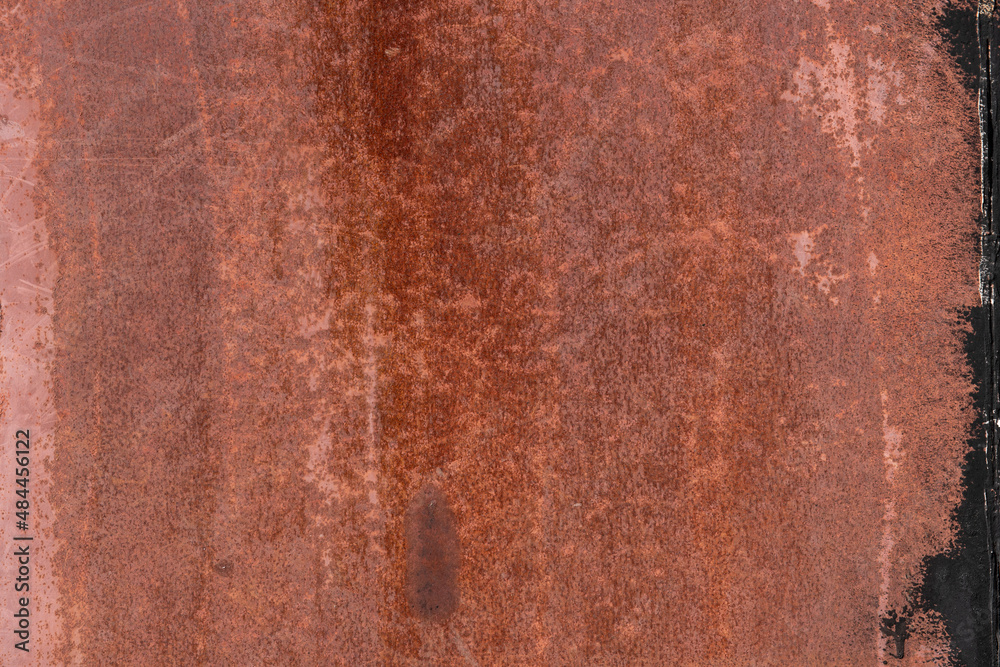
<point>432,555</point>
<point>224,567</point>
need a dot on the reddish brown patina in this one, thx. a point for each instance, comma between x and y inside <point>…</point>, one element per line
<point>500,333</point>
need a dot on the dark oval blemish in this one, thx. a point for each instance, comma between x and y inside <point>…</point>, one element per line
<point>224,567</point>
<point>432,555</point>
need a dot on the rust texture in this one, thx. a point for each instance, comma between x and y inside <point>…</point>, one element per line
<point>468,332</point>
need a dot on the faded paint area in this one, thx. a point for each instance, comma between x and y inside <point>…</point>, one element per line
<point>27,276</point>
<point>662,299</point>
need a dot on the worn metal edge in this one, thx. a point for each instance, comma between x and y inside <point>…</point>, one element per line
<point>988,56</point>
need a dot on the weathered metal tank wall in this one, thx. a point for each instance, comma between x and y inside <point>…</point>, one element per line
<point>497,333</point>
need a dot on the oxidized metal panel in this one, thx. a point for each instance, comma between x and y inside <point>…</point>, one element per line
<point>497,333</point>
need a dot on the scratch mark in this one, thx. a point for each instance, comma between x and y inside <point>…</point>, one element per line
<point>38,288</point>
<point>110,17</point>
<point>32,250</point>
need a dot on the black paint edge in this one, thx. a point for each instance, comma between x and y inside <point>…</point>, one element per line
<point>989,87</point>
<point>960,585</point>
<point>956,583</point>
<point>989,94</point>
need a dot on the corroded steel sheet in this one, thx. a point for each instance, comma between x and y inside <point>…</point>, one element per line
<point>495,333</point>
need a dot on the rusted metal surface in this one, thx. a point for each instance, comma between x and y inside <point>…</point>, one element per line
<point>494,333</point>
